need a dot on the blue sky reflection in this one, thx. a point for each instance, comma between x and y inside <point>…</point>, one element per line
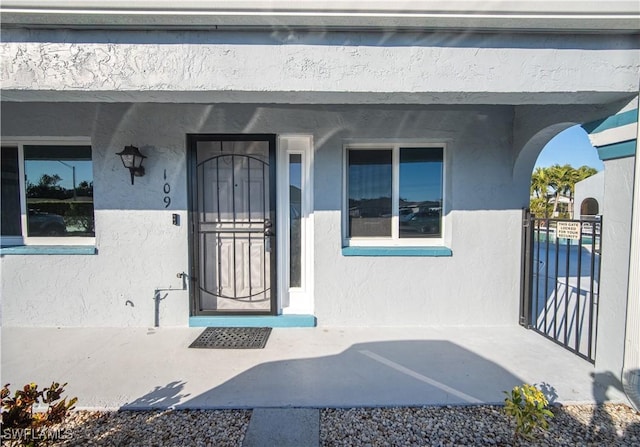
<point>34,170</point>
<point>421,174</point>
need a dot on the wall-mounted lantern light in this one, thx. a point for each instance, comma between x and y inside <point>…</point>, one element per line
<point>132,160</point>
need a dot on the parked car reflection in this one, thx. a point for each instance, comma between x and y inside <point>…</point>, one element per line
<point>45,224</point>
<point>423,222</point>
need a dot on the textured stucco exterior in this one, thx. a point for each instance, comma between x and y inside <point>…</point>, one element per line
<point>591,187</point>
<point>140,251</point>
<point>152,88</point>
<point>616,238</point>
<point>294,67</point>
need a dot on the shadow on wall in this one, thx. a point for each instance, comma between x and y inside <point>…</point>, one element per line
<point>283,36</point>
<point>632,386</point>
<point>160,130</point>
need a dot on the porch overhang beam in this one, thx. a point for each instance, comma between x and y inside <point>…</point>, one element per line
<point>560,15</point>
<point>289,97</point>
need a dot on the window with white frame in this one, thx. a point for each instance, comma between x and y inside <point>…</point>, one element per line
<point>295,223</point>
<point>47,193</point>
<point>394,194</point>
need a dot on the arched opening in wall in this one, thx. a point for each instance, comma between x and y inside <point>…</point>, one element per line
<point>589,207</point>
<point>561,255</point>
<point>567,160</point>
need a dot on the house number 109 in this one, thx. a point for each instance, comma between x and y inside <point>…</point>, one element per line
<point>166,188</point>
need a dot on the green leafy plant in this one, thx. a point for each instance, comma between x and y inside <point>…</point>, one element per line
<point>21,423</point>
<point>528,406</point>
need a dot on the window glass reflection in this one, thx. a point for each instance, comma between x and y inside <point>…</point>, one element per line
<point>369,179</point>
<point>420,194</point>
<point>59,190</point>
<point>295,220</point>
<point>10,190</point>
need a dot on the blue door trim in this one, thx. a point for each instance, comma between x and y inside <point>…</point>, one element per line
<point>254,321</point>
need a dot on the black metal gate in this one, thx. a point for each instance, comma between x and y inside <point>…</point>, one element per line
<point>561,280</point>
<point>232,214</point>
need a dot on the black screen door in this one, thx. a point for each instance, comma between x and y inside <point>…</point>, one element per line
<point>233,216</point>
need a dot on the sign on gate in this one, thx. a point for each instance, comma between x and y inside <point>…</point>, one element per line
<point>568,230</point>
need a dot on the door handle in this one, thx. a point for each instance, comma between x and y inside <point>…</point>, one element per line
<point>267,239</point>
<point>267,227</point>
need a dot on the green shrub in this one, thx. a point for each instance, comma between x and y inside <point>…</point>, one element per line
<point>528,406</point>
<point>21,423</point>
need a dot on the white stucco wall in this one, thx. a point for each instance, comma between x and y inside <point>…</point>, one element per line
<point>139,250</point>
<point>132,87</point>
<point>616,238</point>
<point>305,67</point>
<point>590,187</point>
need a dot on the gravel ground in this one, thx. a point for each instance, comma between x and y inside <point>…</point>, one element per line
<point>579,425</point>
<point>576,425</point>
<point>180,428</point>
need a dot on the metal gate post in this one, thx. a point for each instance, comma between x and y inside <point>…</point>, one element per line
<point>527,269</point>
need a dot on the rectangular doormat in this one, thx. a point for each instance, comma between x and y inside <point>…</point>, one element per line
<point>232,338</point>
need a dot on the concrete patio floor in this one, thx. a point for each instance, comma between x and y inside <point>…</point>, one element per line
<point>139,368</point>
